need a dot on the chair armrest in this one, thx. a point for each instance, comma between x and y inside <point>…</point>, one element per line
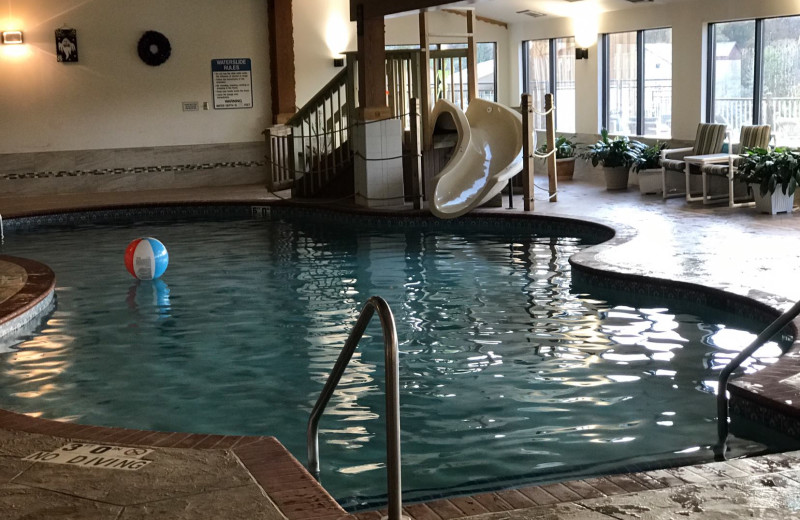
<point>675,153</point>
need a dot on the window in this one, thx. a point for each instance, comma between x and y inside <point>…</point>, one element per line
<point>549,66</point>
<point>755,76</point>
<point>637,78</point>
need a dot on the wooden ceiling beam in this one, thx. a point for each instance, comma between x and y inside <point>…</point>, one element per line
<point>381,8</point>
<point>484,19</point>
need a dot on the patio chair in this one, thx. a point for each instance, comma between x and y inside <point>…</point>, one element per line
<point>756,136</point>
<point>708,141</point>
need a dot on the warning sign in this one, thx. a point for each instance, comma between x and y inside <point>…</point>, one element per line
<point>95,456</point>
<point>232,81</point>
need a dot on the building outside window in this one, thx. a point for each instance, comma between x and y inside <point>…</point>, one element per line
<point>549,66</point>
<point>637,78</point>
<point>756,76</point>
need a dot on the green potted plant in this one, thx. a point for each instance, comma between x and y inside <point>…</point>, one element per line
<point>612,155</point>
<point>646,162</point>
<point>773,176</point>
<point>566,148</point>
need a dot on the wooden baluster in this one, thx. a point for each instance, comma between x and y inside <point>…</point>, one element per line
<point>527,151</point>
<point>551,143</point>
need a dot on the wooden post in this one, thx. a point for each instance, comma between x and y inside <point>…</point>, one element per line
<point>281,62</point>
<point>551,143</point>
<point>425,79</point>
<point>472,58</point>
<point>527,151</point>
<point>350,94</point>
<point>416,156</point>
<point>270,157</point>
<point>371,69</point>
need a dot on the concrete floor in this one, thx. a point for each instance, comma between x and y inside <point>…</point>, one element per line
<point>736,250</point>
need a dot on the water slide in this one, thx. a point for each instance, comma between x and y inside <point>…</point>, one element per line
<point>487,153</point>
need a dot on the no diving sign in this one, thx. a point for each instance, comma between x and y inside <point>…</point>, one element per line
<point>95,456</point>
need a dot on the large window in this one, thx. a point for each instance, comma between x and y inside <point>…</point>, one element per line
<point>637,77</point>
<point>549,66</point>
<point>755,76</point>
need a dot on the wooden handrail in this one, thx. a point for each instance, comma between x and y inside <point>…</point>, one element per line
<point>323,94</point>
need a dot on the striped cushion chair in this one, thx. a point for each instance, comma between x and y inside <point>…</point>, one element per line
<point>756,136</point>
<point>708,140</point>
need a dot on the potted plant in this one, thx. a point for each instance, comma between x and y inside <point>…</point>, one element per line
<point>565,156</point>
<point>613,156</point>
<point>773,176</point>
<point>646,162</point>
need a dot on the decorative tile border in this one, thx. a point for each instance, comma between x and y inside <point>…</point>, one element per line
<point>122,171</point>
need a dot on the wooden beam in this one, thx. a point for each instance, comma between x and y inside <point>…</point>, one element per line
<point>425,80</point>
<point>382,8</point>
<point>484,19</point>
<point>281,59</point>
<point>372,69</point>
<point>472,58</point>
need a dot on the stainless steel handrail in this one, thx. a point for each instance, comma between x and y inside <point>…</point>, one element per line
<point>375,303</point>
<point>722,385</point>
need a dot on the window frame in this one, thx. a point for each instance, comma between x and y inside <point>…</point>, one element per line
<point>605,77</point>
<point>552,66</point>
<point>758,66</point>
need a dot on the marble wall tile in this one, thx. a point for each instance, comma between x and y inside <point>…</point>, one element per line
<point>247,152</point>
<point>87,160</point>
<point>133,157</point>
<point>17,162</point>
<point>213,153</point>
<point>55,161</point>
<point>173,155</point>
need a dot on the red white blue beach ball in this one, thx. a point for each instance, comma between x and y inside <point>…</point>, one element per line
<point>146,258</point>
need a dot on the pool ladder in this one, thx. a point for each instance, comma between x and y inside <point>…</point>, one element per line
<point>375,303</point>
<point>722,386</point>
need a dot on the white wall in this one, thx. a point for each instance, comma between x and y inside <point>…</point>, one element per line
<point>111,99</point>
<point>314,59</point>
<point>688,20</point>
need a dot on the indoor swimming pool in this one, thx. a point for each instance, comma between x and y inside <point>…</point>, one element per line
<point>507,376</point>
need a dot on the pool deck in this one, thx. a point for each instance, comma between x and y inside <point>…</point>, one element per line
<point>213,476</point>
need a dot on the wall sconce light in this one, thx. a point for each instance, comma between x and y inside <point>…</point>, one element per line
<point>338,62</point>
<point>12,37</point>
<point>581,54</point>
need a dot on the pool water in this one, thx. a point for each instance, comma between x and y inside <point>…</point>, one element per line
<point>506,375</point>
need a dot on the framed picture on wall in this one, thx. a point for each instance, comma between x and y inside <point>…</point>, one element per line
<point>67,45</point>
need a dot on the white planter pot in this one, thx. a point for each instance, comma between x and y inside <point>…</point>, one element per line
<point>616,178</point>
<point>650,181</point>
<point>778,202</point>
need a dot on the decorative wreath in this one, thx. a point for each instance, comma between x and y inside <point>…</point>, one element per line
<point>154,48</point>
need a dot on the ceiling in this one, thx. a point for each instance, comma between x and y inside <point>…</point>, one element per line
<point>507,10</point>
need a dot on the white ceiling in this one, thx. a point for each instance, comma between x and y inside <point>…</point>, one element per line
<point>507,10</point>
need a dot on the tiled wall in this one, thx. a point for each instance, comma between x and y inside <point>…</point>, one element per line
<point>127,169</point>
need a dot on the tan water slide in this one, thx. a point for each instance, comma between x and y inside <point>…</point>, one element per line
<point>487,153</point>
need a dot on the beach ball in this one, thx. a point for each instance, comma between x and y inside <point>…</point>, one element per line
<point>146,258</point>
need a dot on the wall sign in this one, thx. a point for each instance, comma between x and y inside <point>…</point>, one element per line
<point>66,45</point>
<point>232,81</point>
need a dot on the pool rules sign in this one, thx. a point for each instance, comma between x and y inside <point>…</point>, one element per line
<point>232,81</point>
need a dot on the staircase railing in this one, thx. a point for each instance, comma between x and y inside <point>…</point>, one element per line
<point>722,386</point>
<point>374,304</point>
<point>319,141</point>
<point>321,129</point>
